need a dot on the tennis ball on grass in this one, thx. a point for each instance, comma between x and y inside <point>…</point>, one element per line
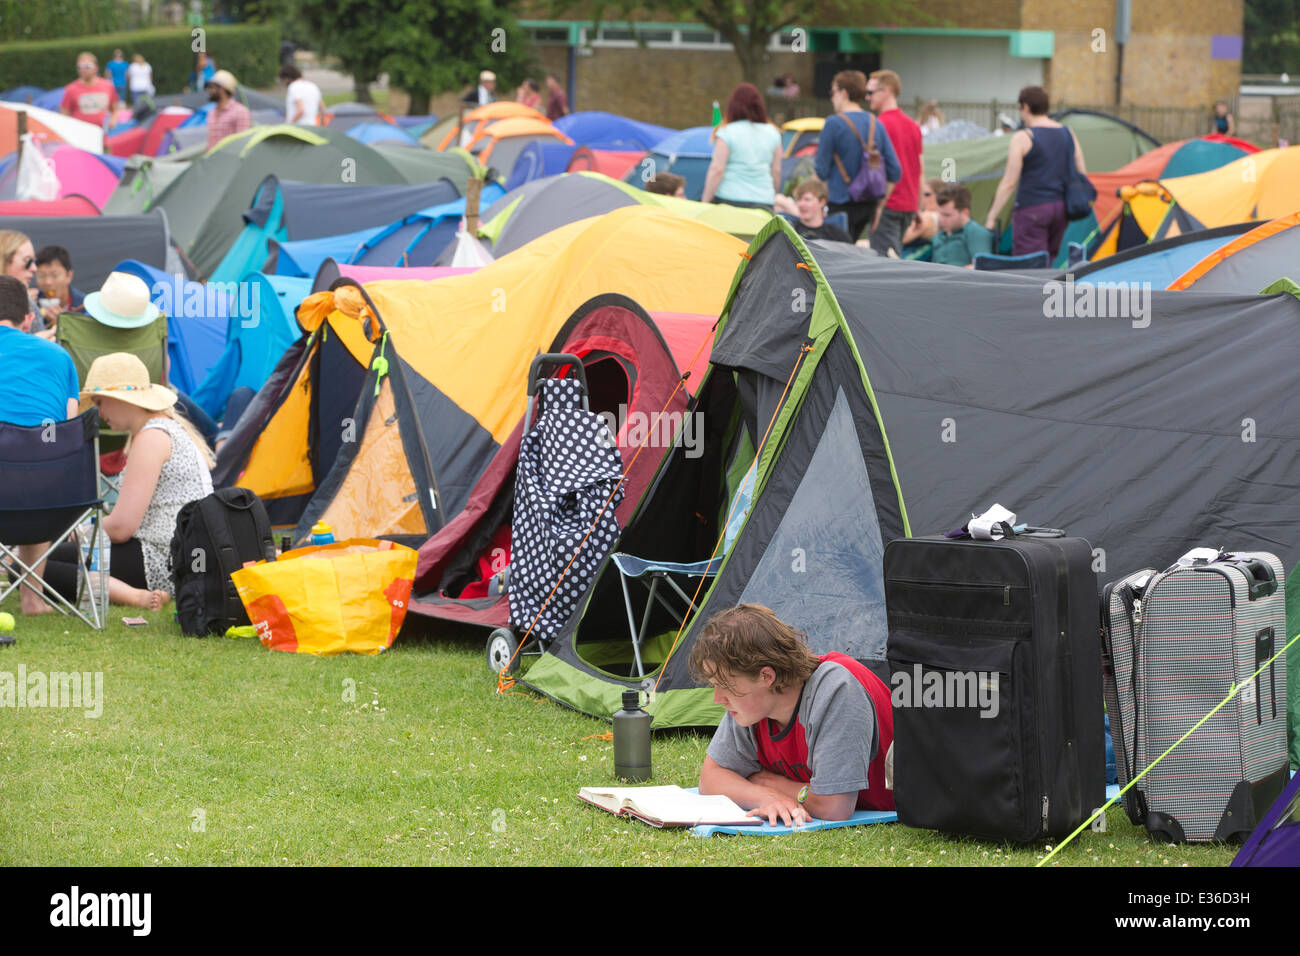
<point>6,622</point>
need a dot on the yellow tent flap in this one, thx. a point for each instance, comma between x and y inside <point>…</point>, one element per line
<point>473,336</point>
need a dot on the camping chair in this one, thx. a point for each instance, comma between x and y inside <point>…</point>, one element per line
<point>86,339</point>
<point>991,261</point>
<point>654,573</point>
<point>51,486</point>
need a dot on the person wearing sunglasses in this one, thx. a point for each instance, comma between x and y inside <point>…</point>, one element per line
<point>18,259</point>
<point>89,97</point>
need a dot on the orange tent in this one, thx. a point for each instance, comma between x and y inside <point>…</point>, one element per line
<point>476,119</point>
<point>1147,166</point>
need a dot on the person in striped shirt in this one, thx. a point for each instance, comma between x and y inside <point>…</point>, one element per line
<point>228,116</point>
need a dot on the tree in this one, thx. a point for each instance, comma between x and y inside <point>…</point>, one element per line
<point>1272,37</point>
<point>434,47</point>
<point>749,25</point>
<point>425,48</point>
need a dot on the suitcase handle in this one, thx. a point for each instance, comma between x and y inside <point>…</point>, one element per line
<point>1261,579</point>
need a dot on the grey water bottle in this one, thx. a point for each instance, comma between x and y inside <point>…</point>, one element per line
<point>632,740</point>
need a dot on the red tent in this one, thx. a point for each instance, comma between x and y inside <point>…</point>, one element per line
<point>613,163</point>
<point>633,364</point>
<point>74,205</point>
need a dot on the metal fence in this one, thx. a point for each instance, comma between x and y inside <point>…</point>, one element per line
<point>1165,123</point>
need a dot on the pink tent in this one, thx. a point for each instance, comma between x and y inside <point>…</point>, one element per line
<point>690,340</point>
<point>82,173</point>
<point>72,205</point>
<point>330,270</point>
<point>365,274</point>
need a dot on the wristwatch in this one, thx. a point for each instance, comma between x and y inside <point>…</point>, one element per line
<point>803,794</point>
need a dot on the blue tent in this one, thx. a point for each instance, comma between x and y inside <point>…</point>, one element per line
<point>610,131</point>
<point>254,344</point>
<point>197,316</point>
<point>1199,156</point>
<point>686,153</point>
<point>1160,262</point>
<point>50,99</point>
<point>414,240</point>
<point>417,240</point>
<point>382,133</point>
<point>302,257</point>
<point>287,211</point>
<point>539,159</point>
<point>22,94</point>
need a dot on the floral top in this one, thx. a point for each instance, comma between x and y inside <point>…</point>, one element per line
<point>184,478</point>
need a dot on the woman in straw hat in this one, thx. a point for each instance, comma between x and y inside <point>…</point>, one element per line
<point>167,466</point>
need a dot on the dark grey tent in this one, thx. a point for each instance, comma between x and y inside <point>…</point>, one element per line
<point>97,243</point>
<point>286,210</point>
<point>552,202</point>
<point>1170,422</point>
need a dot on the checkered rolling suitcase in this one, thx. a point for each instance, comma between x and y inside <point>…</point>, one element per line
<point>1174,644</point>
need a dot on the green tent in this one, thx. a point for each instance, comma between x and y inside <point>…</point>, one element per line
<point>788,421</point>
<point>427,165</point>
<point>205,204</point>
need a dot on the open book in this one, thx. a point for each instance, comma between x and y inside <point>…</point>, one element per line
<point>667,806</point>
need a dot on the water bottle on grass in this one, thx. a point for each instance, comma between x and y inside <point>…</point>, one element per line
<point>632,740</point>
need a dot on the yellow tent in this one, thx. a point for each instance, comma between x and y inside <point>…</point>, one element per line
<point>1264,185</point>
<point>388,411</point>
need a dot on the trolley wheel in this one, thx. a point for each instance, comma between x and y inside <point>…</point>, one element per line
<point>501,647</point>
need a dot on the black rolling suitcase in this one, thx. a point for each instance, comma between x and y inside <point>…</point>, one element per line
<point>996,679</point>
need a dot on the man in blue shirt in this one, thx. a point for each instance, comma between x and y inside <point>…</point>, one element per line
<point>838,142</point>
<point>38,385</point>
<point>115,70</point>
<point>958,240</point>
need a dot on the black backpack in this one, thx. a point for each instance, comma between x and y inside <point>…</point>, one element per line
<point>214,537</point>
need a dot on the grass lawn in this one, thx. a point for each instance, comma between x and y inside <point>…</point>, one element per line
<point>219,751</point>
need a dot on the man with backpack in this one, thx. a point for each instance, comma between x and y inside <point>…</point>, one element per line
<point>855,157</point>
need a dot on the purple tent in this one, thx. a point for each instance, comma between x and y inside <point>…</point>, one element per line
<point>1276,841</point>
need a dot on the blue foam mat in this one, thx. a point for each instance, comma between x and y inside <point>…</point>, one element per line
<point>859,818</point>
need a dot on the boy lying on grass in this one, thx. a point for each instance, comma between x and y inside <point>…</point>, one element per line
<point>803,736</point>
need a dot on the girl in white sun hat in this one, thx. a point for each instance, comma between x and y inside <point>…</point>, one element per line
<point>167,466</point>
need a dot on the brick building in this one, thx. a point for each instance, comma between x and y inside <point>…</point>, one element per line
<point>1179,53</point>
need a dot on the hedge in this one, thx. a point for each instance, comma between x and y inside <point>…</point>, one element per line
<point>250,51</point>
<point>50,19</point>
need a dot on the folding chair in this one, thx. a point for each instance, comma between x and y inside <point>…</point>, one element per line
<point>631,568</point>
<point>86,339</point>
<point>991,261</point>
<point>51,486</point>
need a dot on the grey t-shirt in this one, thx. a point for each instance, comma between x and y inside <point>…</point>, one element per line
<point>839,724</point>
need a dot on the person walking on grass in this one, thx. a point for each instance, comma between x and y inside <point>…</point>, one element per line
<point>746,166</point>
<point>840,149</point>
<point>1038,171</point>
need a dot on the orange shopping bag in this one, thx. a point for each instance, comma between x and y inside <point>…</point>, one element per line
<point>350,596</point>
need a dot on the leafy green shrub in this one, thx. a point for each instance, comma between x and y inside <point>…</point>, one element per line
<point>251,52</point>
